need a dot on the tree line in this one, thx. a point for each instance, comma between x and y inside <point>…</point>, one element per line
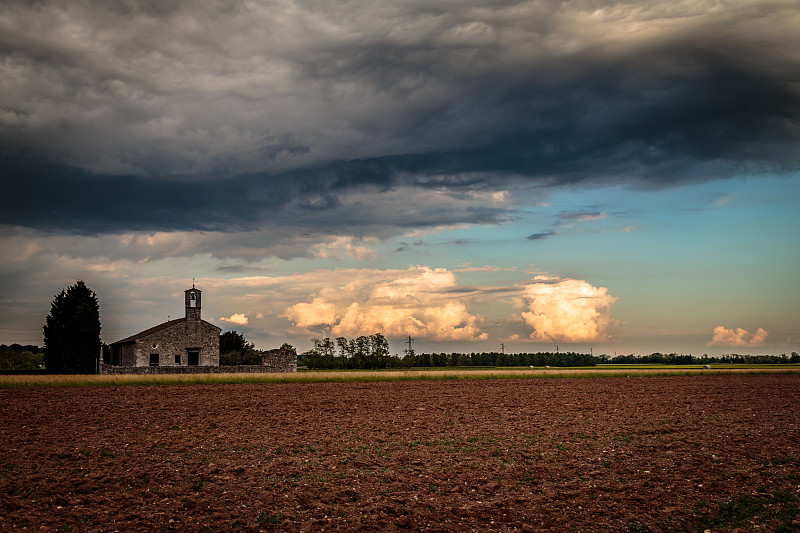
<point>364,352</point>
<point>688,359</point>
<point>372,352</point>
<point>21,357</point>
<point>501,359</point>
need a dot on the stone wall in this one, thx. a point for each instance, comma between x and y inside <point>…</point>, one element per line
<point>143,370</point>
<point>124,355</point>
<point>278,360</point>
<point>272,361</point>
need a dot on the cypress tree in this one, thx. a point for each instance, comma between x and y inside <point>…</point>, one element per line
<point>72,331</point>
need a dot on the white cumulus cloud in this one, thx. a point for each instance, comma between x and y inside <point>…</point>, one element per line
<point>237,318</point>
<point>737,337</point>
<point>395,303</point>
<point>567,310</point>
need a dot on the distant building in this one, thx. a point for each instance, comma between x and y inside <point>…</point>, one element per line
<point>188,341</point>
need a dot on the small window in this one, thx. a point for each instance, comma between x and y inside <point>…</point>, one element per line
<point>177,358</point>
<point>154,359</point>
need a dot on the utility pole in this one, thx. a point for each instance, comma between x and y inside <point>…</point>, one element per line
<point>409,341</point>
<point>556,349</point>
<point>502,348</point>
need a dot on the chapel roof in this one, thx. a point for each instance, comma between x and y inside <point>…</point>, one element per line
<point>154,329</point>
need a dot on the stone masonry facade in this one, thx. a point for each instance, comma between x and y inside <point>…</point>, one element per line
<point>175,343</point>
<point>272,361</point>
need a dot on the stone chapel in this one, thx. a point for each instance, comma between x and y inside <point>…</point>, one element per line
<point>188,341</point>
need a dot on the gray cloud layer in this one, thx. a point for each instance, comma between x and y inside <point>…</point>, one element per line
<point>238,115</point>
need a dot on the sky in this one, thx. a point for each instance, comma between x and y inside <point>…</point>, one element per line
<point>614,177</point>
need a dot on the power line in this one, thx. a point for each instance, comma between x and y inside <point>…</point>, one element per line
<point>421,345</point>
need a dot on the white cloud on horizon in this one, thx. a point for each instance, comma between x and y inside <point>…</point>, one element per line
<point>393,302</point>
<point>567,310</point>
<point>737,337</point>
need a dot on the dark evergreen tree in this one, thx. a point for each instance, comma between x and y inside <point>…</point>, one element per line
<point>72,331</point>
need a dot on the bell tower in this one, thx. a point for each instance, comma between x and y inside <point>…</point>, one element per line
<point>193,303</point>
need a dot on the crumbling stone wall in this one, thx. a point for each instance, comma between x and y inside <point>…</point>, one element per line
<point>278,360</point>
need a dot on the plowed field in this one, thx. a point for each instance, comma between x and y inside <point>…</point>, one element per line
<point>610,454</point>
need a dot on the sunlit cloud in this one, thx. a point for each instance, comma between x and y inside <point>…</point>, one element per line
<point>344,245</point>
<point>394,302</point>
<point>737,337</point>
<point>490,196</point>
<point>106,267</point>
<point>239,319</point>
<point>316,313</point>
<point>567,310</point>
<point>485,268</point>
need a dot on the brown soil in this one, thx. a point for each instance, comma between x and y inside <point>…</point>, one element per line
<point>619,454</point>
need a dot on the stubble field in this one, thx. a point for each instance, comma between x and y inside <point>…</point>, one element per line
<point>677,453</point>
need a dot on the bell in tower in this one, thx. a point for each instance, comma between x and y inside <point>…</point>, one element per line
<point>193,303</point>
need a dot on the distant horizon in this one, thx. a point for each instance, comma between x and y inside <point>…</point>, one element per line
<point>475,347</point>
<point>531,351</point>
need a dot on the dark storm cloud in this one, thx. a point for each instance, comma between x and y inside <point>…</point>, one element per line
<point>68,199</point>
<point>75,200</point>
<point>193,116</point>
<point>540,236</point>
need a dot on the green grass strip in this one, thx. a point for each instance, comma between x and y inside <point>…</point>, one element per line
<point>19,381</point>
